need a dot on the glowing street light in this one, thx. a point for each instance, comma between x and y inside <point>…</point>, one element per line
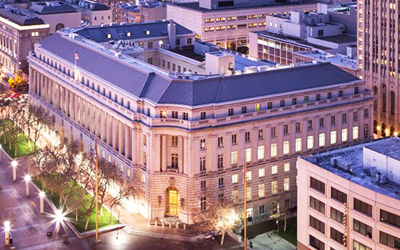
<point>14,164</point>
<point>7,229</point>
<point>396,134</point>
<point>27,179</point>
<point>41,196</point>
<point>59,217</point>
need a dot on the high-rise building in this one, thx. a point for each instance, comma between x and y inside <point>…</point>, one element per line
<point>378,55</point>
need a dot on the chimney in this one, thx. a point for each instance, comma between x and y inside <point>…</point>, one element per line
<point>172,34</point>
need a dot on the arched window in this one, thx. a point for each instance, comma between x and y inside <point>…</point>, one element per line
<point>383,98</point>
<point>392,103</point>
<point>60,26</point>
<point>391,130</point>
<point>375,127</point>
<point>376,98</point>
<point>383,130</point>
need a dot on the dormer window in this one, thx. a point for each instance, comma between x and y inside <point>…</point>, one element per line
<point>128,34</point>
<point>108,36</point>
<point>147,32</point>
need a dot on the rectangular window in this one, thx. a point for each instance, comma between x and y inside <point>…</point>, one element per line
<point>260,153</point>
<point>274,150</point>
<point>234,158</point>
<point>262,209</point>
<point>390,218</point>
<point>366,113</point>
<point>317,244</point>
<point>344,135</point>
<point>174,141</point>
<point>202,144</point>
<point>336,235</point>
<point>358,246</point>
<point>366,131</point>
<point>220,162</point>
<point>298,144</point>
<point>273,132</point>
<point>344,118</point>
<point>249,176</point>
<point>261,172</point>
<point>220,142</point>
<point>286,147</point>
<point>333,137</point>
<point>230,111</point>
<point>285,129</point>
<point>309,124</point>
<point>203,185</point>
<point>310,142</point>
<point>260,134</point>
<point>363,207</point>
<point>282,103</point>
<point>306,99</point>
<point>356,90</point>
<point>203,205</point>
<point>298,127</point>
<point>362,228</point>
<point>203,115</point>
<point>202,163</point>
<point>185,116</point>
<point>317,205</point>
<point>329,95</point>
<point>321,122</point>
<point>355,116</point>
<point>221,182</point>
<point>235,178</point>
<point>318,97</point>
<point>286,184</point>
<point>234,137</point>
<point>274,169</point>
<point>355,133</point>
<point>174,160</point>
<point>389,240</point>
<point>317,185</point>
<point>294,101</point>
<point>235,196</point>
<point>249,193</point>
<point>286,167</point>
<point>261,190</point>
<point>338,195</point>
<point>247,136</point>
<point>333,120</point>
<point>321,139</point>
<point>257,107</point>
<point>175,114</point>
<point>269,105</point>
<point>336,215</point>
<point>274,187</point>
<point>317,224</point>
<point>340,93</point>
<point>244,109</point>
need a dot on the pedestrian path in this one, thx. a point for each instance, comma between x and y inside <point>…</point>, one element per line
<point>271,241</point>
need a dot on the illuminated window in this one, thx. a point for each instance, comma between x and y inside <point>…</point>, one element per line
<point>274,187</point>
<point>248,154</point>
<point>274,169</point>
<point>260,153</point>
<point>128,34</point>
<point>261,190</point>
<point>286,148</point>
<point>248,193</point>
<point>248,176</point>
<point>298,145</point>
<point>333,137</point>
<point>344,135</point>
<point>286,167</point>
<point>261,172</point>
<point>274,151</point>
<point>235,178</point>
<point>322,139</point>
<point>310,142</point>
<point>355,132</point>
<point>234,158</point>
<point>286,184</point>
<point>257,107</point>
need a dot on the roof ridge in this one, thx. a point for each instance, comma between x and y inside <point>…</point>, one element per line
<point>146,84</point>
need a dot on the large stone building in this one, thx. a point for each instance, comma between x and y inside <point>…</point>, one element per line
<point>229,26</point>
<point>378,50</point>
<point>182,138</point>
<point>350,196</point>
<point>18,34</point>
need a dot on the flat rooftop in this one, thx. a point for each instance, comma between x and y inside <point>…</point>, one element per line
<point>354,155</point>
<point>339,39</point>
<point>336,59</point>
<point>19,17</point>
<point>195,6</point>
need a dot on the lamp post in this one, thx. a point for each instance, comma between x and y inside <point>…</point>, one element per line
<point>14,164</point>
<point>27,182</point>
<point>59,217</point>
<point>7,229</point>
<point>41,196</point>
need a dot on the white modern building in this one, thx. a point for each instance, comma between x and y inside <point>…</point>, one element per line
<point>183,138</point>
<point>350,197</point>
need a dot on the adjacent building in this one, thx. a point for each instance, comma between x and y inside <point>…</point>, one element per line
<point>378,39</point>
<point>94,13</point>
<point>18,34</point>
<point>182,138</point>
<point>144,12</point>
<point>330,29</point>
<point>57,14</point>
<point>350,197</point>
<point>228,26</point>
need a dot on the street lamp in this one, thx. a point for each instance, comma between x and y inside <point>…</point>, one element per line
<point>7,229</point>
<point>59,218</point>
<point>42,195</point>
<point>14,164</point>
<point>27,179</point>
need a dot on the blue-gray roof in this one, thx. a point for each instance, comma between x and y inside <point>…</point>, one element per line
<point>137,31</point>
<point>165,90</point>
<point>18,17</point>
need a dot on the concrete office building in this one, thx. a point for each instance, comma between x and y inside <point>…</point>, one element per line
<point>378,50</point>
<point>182,138</point>
<point>229,26</point>
<point>286,34</point>
<point>18,34</point>
<point>350,197</point>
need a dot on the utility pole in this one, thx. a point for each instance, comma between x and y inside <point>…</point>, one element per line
<point>245,202</point>
<point>96,162</point>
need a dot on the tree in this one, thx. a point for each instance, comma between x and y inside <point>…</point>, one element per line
<point>124,189</point>
<point>220,217</point>
<point>40,119</point>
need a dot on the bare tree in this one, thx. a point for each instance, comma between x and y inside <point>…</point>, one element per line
<point>124,189</point>
<point>40,119</point>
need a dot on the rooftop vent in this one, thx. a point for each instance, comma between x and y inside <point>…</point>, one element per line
<point>380,178</point>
